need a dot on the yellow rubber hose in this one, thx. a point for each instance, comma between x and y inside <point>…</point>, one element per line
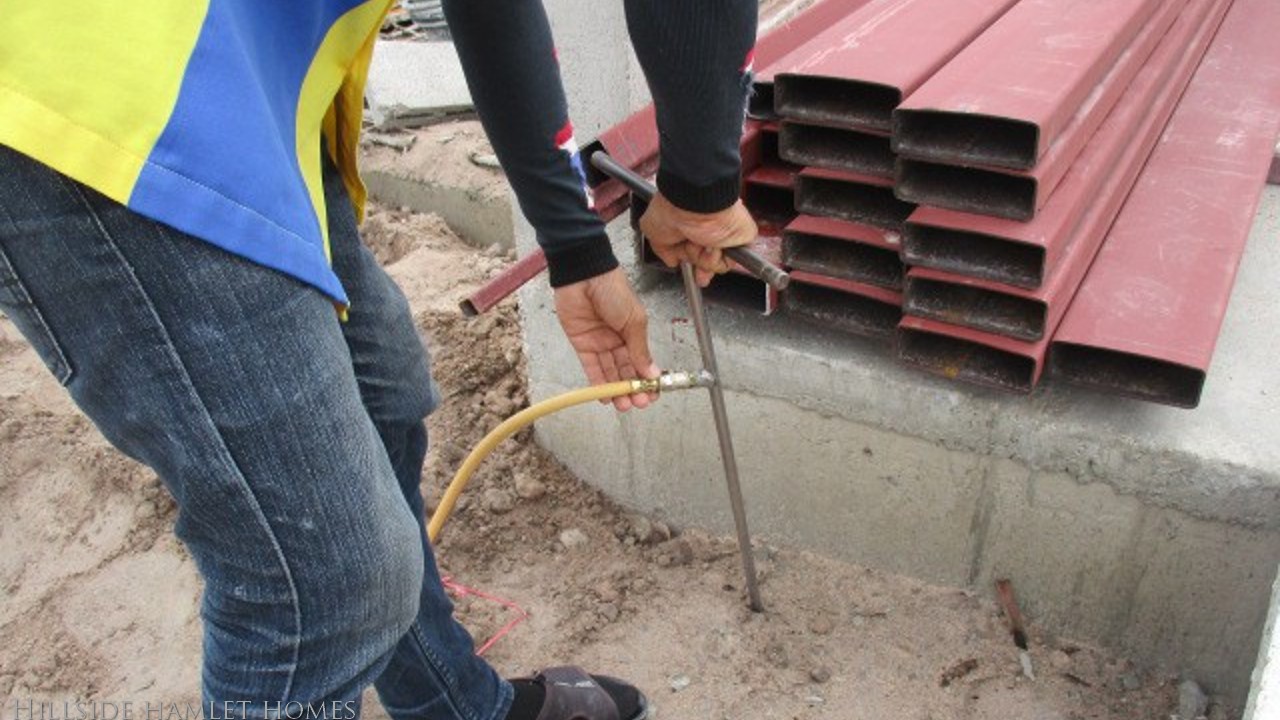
<point>513,425</point>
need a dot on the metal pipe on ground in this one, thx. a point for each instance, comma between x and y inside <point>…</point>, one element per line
<point>851,197</point>
<point>1147,317</point>
<point>856,151</point>
<point>1033,315</point>
<point>1010,95</point>
<point>843,305</point>
<point>857,71</point>
<point>848,251</point>
<point>785,39</point>
<point>1028,254</point>
<point>941,178</point>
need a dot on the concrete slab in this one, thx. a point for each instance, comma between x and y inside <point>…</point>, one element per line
<point>1264,699</point>
<point>436,174</point>
<point>412,82</point>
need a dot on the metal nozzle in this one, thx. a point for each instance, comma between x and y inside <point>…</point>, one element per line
<point>680,380</point>
<point>686,380</point>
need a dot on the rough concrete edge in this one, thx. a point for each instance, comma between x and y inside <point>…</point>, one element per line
<point>478,221</point>
<point>1206,488</point>
<point>1264,698</point>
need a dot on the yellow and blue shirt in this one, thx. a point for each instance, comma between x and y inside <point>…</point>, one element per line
<point>205,115</point>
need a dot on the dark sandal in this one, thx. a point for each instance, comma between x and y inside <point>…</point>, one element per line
<point>572,694</point>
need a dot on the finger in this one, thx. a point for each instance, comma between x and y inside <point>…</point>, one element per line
<point>591,366</point>
<point>670,255</point>
<point>664,240</point>
<point>714,260</point>
<point>651,372</point>
<point>610,368</point>
<point>691,253</point>
<point>623,360</point>
<point>703,277</point>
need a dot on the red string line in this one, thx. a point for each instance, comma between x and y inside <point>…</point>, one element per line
<point>461,591</point>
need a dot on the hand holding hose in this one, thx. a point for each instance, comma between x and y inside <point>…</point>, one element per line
<point>677,235</point>
<point>609,330</point>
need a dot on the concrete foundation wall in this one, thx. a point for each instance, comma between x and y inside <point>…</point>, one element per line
<point>1264,698</point>
<point>1147,529</point>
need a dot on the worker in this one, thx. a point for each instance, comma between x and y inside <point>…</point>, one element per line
<point>179,202</point>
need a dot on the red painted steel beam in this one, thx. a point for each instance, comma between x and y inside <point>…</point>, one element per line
<point>767,166</point>
<point>968,355</point>
<point>939,178</point>
<point>849,251</point>
<point>1146,319</point>
<point>786,38</point>
<point>1015,90</point>
<point>857,151</point>
<point>1132,131</point>
<point>510,280</point>
<point>782,177</point>
<point>851,197</point>
<point>1028,254</point>
<point>843,305</point>
<point>858,70</point>
<point>634,144</point>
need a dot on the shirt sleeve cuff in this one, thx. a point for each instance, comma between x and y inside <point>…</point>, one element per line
<point>584,261</point>
<point>710,198</point>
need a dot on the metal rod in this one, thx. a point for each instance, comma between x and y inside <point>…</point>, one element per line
<point>696,309</point>
<point>750,260</point>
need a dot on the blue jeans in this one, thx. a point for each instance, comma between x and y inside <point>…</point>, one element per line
<point>293,444</point>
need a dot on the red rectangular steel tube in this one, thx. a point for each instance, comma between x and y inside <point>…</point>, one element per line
<point>510,280</point>
<point>850,196</point>
<point>968,355</point>
<point>849,251</point>
<point>1008,96</point>
<point>843,305</point>
<point>858,151</point>
<point>775,176</point>
<point>770,205</point>
<point>950,182</point>
<point>1032,315</point>
<point>780,41</point>
<point>856,72</point>
<point>764,165</point>
<point>1147,317</point>
<point>1026,254</point>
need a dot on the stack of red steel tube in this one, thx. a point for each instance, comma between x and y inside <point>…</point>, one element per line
<point>1051,177</point>
<point>1005,187</point>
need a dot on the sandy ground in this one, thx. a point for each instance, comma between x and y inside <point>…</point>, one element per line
<point>98,601</point>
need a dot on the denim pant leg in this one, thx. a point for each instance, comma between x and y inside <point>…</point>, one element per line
<point>235,384</point>
<point>433,672</point>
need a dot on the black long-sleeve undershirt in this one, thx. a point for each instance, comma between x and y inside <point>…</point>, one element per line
<point>696,57</point>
